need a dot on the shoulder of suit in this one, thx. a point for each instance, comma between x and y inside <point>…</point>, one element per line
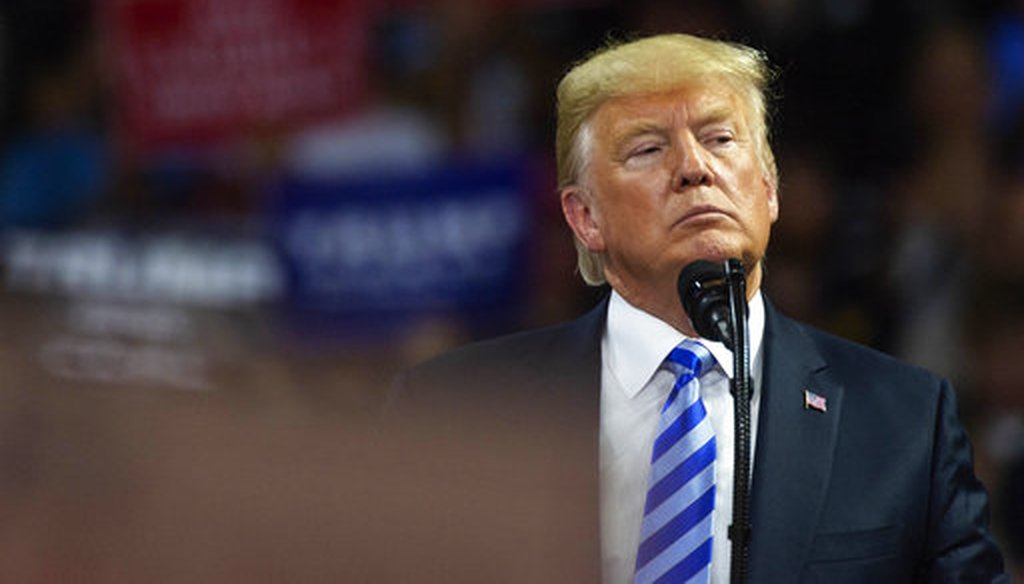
<point>848,359</point>
<point>526,351</point>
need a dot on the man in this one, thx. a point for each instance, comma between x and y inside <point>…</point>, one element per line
<point>861,470</point>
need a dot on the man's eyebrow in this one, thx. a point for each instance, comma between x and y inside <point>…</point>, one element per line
<point>639,128</point>
<point>716,115</point>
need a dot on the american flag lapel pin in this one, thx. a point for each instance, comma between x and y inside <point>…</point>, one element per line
<point>813,401</point>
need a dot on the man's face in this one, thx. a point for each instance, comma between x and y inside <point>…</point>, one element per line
<point>671,178</point>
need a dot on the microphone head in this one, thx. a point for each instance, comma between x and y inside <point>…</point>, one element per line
<point>704,294</point>
<point>694,280</point>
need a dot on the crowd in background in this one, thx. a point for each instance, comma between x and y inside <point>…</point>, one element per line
<point>898,127</point>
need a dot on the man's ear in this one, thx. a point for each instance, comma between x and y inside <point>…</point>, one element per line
<point>582,217</point>
<point>772,191</point>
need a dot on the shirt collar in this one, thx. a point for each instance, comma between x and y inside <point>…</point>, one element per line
<point>638,342</point>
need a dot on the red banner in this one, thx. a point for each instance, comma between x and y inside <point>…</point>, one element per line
<point>193,72</point>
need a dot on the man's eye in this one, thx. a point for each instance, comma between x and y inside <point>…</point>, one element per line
<point>646,151</point>
<point>719,139</point>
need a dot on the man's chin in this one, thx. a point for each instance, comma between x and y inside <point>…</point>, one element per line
<point>719,244</point>
<point>714,251</point>
<point>718,254</point>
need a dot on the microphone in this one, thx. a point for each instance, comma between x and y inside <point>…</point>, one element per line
<point>704,292</point>
<point>714,296</point>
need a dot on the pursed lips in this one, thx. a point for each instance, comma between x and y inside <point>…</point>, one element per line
<point>700,212</point>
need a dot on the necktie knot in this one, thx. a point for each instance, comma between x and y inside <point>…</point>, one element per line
<point>689,357</point>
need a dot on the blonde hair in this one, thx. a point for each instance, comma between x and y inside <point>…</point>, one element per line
<point>650,65</point>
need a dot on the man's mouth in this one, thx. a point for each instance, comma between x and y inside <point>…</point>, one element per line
<point>701,212</point>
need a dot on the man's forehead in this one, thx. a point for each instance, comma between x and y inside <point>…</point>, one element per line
<point>692,104</point>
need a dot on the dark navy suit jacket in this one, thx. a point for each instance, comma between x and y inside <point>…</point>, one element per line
<point>878,488</point>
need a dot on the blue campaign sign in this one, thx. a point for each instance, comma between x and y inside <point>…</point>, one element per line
<point>382,251</point>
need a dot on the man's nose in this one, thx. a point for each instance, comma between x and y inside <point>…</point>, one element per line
<point>691,167</point>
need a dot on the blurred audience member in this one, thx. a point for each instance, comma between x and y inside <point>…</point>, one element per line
<point>1006,48</point>
<point>800,259</point>
<point>938,211</point>
<point>996,410</point>
<point>396,130</point>
<point>56,165</point>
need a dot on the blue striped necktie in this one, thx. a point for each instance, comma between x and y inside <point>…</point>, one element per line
<point>675,536</point>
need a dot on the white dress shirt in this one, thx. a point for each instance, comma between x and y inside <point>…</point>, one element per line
<point>633,390</point>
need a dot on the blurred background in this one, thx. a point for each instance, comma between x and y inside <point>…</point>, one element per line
<point>224,226</point>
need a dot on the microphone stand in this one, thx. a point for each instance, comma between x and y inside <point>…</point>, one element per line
<point>742,390</point>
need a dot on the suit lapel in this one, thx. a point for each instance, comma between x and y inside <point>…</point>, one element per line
<point>795,446</point>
